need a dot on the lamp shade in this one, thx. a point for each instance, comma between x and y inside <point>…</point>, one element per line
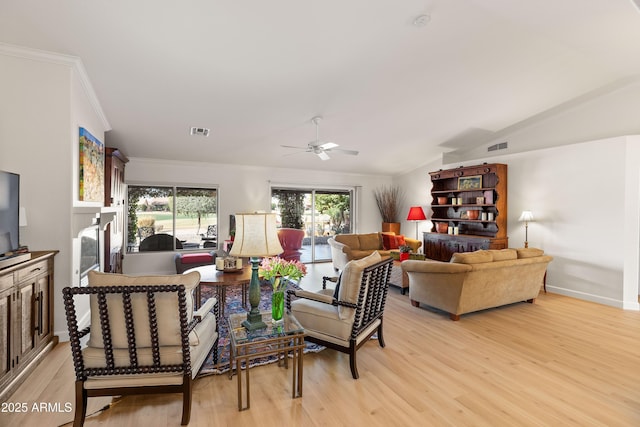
<point>416,214</point>
<point>526,216</point>
<point>256,236</point>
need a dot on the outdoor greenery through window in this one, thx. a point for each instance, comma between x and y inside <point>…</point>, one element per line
<point>320,213</point>
<point>171,218</point>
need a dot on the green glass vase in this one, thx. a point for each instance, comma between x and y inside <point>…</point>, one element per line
<point>277,306</point>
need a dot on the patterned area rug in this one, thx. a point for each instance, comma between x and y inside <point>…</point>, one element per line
<point>234,305</point>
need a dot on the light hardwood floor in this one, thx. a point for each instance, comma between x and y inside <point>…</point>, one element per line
<point>557,362</point>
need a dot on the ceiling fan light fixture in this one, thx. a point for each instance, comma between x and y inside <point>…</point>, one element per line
<point>328,145</point>
<point>323,155</point>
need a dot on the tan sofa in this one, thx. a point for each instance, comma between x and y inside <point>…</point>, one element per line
<point>478,280</point>
<point>347,247</point>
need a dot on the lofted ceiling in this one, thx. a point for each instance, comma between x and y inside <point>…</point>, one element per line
<point>256,72</point>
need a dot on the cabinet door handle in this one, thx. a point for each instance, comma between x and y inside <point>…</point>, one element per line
<point>34,313</point>
<point>36,269</point>
<point>40,303</point>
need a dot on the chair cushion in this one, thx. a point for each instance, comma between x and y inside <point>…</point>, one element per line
<point>321,317</point>
<point>477,257</point>
<point>196,258</point>
<point>350,240</point>
<point>529,252</point>
<point>166,309</point>
<point>350,282</point>
<point>503,254</point>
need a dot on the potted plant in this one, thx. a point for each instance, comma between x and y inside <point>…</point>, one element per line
<point>388,200</point>
<point>405,251</point>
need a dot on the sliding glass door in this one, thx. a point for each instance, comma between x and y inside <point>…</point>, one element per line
<point>320,213</point>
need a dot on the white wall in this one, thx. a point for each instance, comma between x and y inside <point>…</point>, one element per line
<point>585,201</point>
<point>42,103</point>
<point>242,189</point>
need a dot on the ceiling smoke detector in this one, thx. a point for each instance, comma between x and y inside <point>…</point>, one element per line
<point>200,131</point>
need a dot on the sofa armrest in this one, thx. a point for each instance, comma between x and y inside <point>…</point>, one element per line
<point>340,254</point>
<point>413,243</point>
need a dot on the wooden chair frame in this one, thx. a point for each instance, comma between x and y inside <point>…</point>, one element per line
<point>372,297</point>
<point>82,373</point>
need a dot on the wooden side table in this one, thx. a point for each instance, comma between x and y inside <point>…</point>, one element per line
<point>209,276</point>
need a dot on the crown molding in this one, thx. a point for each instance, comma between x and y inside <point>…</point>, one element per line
<point>73,62</point>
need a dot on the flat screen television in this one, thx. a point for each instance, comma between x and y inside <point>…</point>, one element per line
<point>9,212</point>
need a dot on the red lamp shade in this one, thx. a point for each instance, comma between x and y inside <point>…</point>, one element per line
<point>416,214</point>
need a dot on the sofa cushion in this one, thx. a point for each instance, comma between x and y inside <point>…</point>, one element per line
<point>529,252</point>
<point>370,241</point>
<point>350,240</point>
<point>476,257</point>
<point>166,309</point>
<point>350,282</point>
<point>503,254</point>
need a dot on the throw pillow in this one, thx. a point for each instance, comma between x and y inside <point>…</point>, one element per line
<point>392,241</point>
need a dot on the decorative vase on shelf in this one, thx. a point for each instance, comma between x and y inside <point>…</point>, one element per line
<point>277,306</point>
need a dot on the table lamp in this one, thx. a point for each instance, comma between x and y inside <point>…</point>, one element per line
<point>256,236</point>
<point>416,214</point>
<point>527,217</point>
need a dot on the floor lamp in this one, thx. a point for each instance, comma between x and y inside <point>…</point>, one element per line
<point>256,237</point>
<point>416,214</point>
<point>527,217</point>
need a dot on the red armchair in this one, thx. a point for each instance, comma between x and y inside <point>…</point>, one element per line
<point>291,241</point>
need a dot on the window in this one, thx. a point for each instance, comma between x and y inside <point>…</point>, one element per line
<point>320,213</point>
<point>163,218</point>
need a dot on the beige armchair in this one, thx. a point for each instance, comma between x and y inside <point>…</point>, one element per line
<point>345,320</point>
<point>144,337</point>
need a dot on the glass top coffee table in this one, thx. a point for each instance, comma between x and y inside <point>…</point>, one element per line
<point>281,339</point>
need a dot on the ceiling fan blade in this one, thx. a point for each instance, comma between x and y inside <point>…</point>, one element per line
<point>328,145</point>
<point>323,155</point>
<point>292,146</point>
<point>342,151</point>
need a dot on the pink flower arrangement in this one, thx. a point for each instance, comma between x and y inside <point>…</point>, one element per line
<point>274,269</point>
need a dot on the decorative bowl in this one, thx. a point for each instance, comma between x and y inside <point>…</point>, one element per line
<point>442,227</point>
<point>443,200</point>
<point>473,214</point>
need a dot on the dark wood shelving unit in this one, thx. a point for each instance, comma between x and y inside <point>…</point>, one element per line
<point>488,181</point>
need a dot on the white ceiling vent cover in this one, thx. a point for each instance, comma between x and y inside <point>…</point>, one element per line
<point>200,131</point>
<point>501,146</point>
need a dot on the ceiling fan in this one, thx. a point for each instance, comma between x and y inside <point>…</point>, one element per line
<point>320,148</point>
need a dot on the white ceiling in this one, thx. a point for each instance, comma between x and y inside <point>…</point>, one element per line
<point>256,72</point>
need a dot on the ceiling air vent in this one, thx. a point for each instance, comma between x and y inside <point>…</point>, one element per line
<point>200,131</point>
<point>496,147</point>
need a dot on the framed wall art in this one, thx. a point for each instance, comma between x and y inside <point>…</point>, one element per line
<point>470,182</point>
<point>91,168</point>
